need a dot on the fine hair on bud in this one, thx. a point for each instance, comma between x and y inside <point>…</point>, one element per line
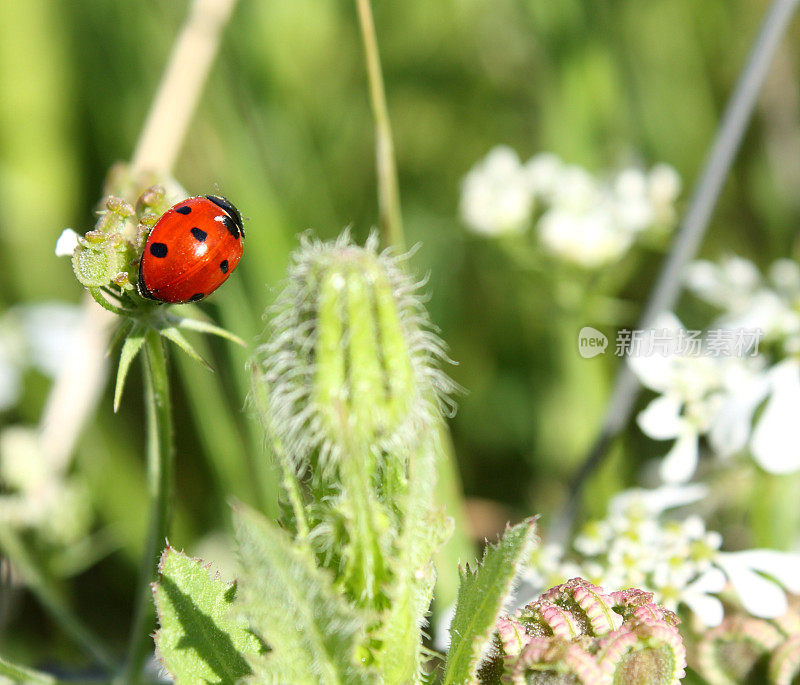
<point>352,360</point>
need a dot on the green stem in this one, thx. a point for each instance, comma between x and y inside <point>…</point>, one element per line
<point>159,468</point>
<point>388,193</point>
<point>105,304</point>
<point>365,569</point>
<point>40,585</point>
<point>20,674</point>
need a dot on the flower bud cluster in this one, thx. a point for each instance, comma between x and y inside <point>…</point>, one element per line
<point>576,633</point>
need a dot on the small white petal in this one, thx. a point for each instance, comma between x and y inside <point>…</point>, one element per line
<point>713,580</point>
<point>708,609</point>
<point>66,243</point>
<point>665,497</point>
<point>680,463</point>
<point>732,426</point>
<point>661,419</point>
<point>776,438</point>
<point>759,596</point>
<point>783,566</point>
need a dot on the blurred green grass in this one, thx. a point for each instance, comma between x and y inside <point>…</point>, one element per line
<point>284,130</point>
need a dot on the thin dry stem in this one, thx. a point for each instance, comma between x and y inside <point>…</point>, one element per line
<point>388,193</point>
<point>181,84</point>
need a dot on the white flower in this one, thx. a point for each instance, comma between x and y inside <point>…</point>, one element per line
<point>658,500</point>
<point>697,595</point>
<point>736,287</point>
<point>587,237</point>
<point>632,206</point>
<point>543,173</point>
<point>731,427</point>
<point>776,438</point>
<point>37,335</point>
<point>663,188</point>
<point>760,596</point>
<point>495,195</point>
<point>66,243</point>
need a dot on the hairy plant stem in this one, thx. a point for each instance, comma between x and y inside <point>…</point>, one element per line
<point>356,469</point>
<point>687,239</point>
<point>42,587</point>
<point>159,477</point>
<point>388,193</point>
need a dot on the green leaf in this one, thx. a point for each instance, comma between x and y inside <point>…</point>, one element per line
<point>130,348</point>
<point>173,334</point>
<point>293,606</point>
<point>199,641</point>
<point>481,596</point>
<point>206,327</point>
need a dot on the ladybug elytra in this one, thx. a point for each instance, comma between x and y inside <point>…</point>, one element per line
<point>191,251</point>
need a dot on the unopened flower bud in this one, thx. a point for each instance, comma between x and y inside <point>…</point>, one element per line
<point>575,633</point>
<point>351,360</point>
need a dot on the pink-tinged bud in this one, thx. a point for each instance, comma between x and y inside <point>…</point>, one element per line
<point>576,633</point>
<point>738,650</point>
<point>784,665</point>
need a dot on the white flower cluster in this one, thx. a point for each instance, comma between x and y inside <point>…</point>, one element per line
<point>36,336</point>
<point>676,559</point>
<point>35,496</point>
<point>580,218</point>
<point>32,493</point>
<point>717,398</point>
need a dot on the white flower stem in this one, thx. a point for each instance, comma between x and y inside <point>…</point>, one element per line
<point>688,237</point>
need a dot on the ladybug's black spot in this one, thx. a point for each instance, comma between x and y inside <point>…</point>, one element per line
<point>230,224</point>
<point>183,210</point>
<point>223,266</point>
<point>158,250</point>
<point>196,296</point>
<point>199,234</point>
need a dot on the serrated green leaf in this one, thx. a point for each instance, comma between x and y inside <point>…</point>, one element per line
<point>206,327</point>
<point>292,605</point>
<point>481,596</point>
<point>130,348</point>
<point>199,640</point>
<point>173,334</point>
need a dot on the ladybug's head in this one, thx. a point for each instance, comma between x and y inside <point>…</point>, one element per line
<point>227,206</point>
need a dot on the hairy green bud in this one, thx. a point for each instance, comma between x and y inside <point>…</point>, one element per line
<point>352,359</point>
<point>352,396</point>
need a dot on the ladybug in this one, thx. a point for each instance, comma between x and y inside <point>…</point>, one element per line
<point>192,250</point>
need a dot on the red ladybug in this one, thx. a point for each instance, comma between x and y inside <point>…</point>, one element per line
<point>192,250</point>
